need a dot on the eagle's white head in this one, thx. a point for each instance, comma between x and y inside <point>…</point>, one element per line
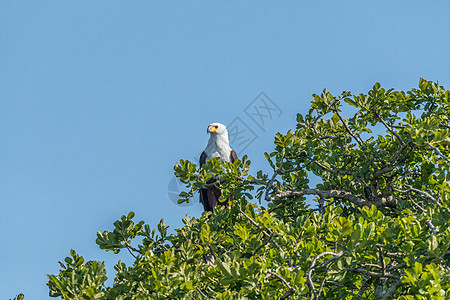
<point>217,129</point>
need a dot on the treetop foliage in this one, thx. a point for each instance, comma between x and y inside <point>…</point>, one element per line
<point>379,230</point>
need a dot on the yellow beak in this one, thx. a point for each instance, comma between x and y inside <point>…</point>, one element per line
<point>212,129</point>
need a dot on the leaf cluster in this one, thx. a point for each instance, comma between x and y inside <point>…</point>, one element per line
<point>379,230</point>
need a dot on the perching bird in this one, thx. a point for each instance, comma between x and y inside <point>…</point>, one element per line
<point>218,146</point>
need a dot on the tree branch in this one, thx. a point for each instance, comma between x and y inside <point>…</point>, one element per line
<point>290,288</point>
<point>313,265</point>
<point>311,268</point>
<point>254,181</point>
<point>129,248</point>
<point>392,289</point>
<point>337,194</point>
<point>443,124</point>
<point>327,137</point>
<point>360,142</point>
<point>257,226</point>
<point>438,152</point>
<point>423,193</point>
<point>364,287</point>
<point>270,185</point>
<point>373,274</point>
<point>390,129</point>
<point>265,243</point>
<point>433,229</point>
<point>339,172</point>
<point>200,292</point>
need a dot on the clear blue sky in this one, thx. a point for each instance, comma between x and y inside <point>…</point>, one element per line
<point>99,99</point>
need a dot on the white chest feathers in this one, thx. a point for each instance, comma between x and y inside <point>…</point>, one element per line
<point>218,146</point>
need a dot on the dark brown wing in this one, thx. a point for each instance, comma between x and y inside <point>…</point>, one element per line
<point>212,196</point>
<point>204,192</point>
<point>233,156</point>
<point>209,197</point>
<point>202,158</point>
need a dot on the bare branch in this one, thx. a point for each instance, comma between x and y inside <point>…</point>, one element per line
<point>396,267</point>
<point>290,288</point>
<point>443,124</point>
<point>255,181</point>
<point>397,155</point>
<point>398,126</point>
<point>373,274</point>
<point>438,152</point>
<point>370,265</point>
<point>392,289</point>
<point>433,229</point>
<point>337,194</point>
<point>327,137</point>
<point>280,172</point>
<point>383,171</point>
<point>381,281</point>
<point>339,172</point>
<point>360,142</point>
<point>335,257</point>
<point>366,284</point>
<point>245,215</point>
<point>270,185</point>
<point>323,280</point>
<point>129,248</point>
<point>200,292</point>
<point>313,264</point>
<point>389,128</point>
<point>422,193</point>
<point>415,204</point>
<point>395,254</point>
<point>321,208</point>
<point>265,243</point>
<point>257,226</point>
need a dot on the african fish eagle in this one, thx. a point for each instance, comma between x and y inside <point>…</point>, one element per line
<point>218,146</point>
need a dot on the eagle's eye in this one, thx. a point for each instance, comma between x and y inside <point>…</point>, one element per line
<point>216,126</point>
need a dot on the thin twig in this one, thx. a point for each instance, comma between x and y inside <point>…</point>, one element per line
<point>270,184</point>
<point>291,289</point>
<point>392,289</point>
<point>423,193</point>
<point>438,152</point>
<point>327,137</point>
<point>265,243</point>
<point>280,172</point>
<point>337,194</point>
<point>347,128</point>
<point>370,265</point>
<point>323,280</point>
<point>445,125</point>
<point>395,254</point>
<point>364,286</point>
<point>129,248</point>
<point>389,129</point>
<point>433,229</point>
<point>339,172</point>
<point>245,215</point>
<point>200,292</point>
<point>373,274</point>
<point>313,264</point>
<point>383,263</point>
<point>257,226</point>
<point>415,204</point>
<point>255,181</point>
